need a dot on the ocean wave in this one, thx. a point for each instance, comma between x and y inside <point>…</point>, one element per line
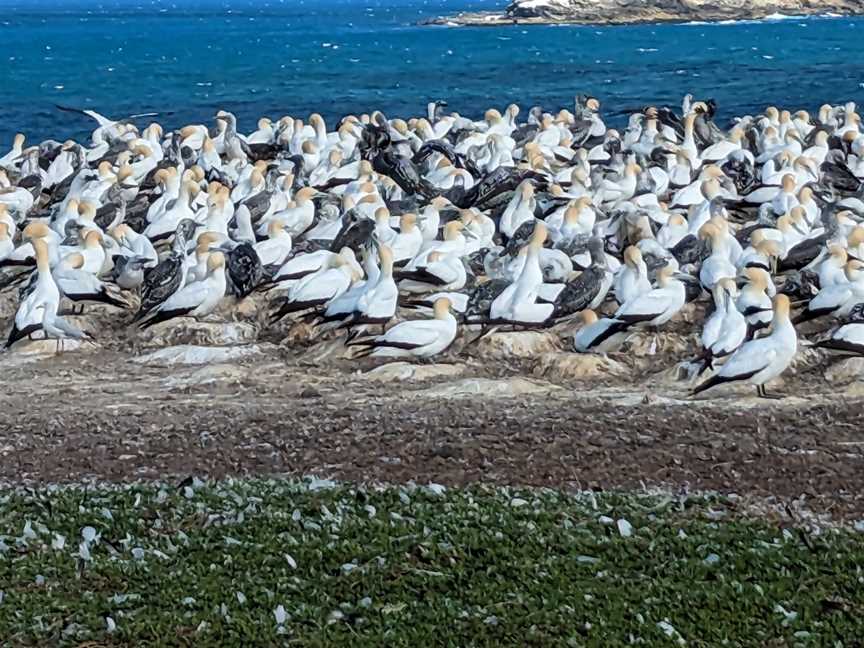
<point>775,17</point>
<point>780,16</point>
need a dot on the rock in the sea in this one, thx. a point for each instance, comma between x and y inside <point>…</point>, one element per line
<point>577,366</point>
<point>189,354</point>
<point>189,331</point>
<point>487,388</point>
<point>407,371</point>
<point>621,12</point>
<point>521,344</point>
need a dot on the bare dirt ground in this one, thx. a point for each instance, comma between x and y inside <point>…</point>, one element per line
<point>514,412</point>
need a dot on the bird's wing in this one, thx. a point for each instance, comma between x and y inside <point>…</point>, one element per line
<point>74,282</point>
<point>381,302</point>
<point>642,307</point>
<point>750,359</point>
<point>190,296</point>
<point>833,297</point>
<point>412,334</point>
<point>100,119</point>
<point>326,285</point>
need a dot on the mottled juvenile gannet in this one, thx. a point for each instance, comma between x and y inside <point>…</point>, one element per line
<point>166,278</point>
<point>195,299</point>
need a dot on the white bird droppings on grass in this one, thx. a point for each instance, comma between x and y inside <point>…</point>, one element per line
<point>625,528</point>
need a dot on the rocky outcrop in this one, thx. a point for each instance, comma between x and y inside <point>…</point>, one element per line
<point>622,12</point>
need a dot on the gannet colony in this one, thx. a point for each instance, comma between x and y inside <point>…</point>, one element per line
<point>398,236</point>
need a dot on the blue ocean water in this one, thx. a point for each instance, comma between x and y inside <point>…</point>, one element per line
<point>189,58</point>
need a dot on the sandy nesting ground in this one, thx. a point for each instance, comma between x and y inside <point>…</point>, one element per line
<point>515,409</point>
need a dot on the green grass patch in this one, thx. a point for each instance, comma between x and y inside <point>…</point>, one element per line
<point>242,563</point>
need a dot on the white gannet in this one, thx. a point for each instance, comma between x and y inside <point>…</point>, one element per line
<point>632,279</point>
<point>135,244</point>
<point>760,361</point>
<point>518,303</point>
<point>298,216</point>
<point>440,271</point>
<point>181,209</point>
<point>274,250</point>
<point>92,253</point>
<point>407,243</point>
<point>45,296</point>
<point>597,335</point>
<point>726,329</point>
<point>415,338</point>
<point>657,306</point>
<point>848,339</point>
<point>718,265</point>
<point>838,299</point>
<point>9,159</point>
<point>377,304</point>
<point>333,279</point>
<point>78,285</point>
<point>24,255</point>
<point>519,210</point>
<point>7,247</point>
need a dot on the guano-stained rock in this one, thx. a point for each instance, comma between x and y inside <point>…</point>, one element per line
<point>520,344</point>
<point>189,331</point>
<point>487,388</point>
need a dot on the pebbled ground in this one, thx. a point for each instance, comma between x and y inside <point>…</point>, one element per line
<point>551,420</point>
